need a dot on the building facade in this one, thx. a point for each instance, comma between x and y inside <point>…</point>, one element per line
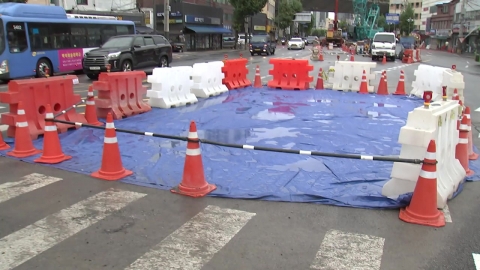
<point>269,11</point>
<point>441,24</point>
<point>200,27</point>
<point>221,4</point>
<point>397,6</point>
<point>471,22</point>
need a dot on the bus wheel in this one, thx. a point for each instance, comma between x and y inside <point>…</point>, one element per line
<point>42,65</point>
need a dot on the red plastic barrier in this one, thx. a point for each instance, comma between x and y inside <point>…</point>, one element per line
<point>236,72</point>
<point>121,93</point>
<point>290,74</point>
<point>35,95</point>
<point>406,55</point>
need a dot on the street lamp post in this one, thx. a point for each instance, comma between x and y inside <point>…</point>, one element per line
<point>409,20</point>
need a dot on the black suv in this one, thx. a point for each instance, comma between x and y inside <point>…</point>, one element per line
<point>128,52</point>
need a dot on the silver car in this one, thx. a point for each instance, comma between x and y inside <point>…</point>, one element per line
<point>296,43</point>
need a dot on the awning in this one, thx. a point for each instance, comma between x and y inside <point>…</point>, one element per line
<point>208,29</point>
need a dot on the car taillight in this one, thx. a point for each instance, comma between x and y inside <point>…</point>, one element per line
<point>265,45</point>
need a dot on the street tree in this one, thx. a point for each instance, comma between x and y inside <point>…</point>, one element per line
<point>406,20</point>
<point>382,22</point>
<point>343,24</point>
<point>286,13</point>
<point>309,26</point>
<point>319,32</point>
<point>242,10</point>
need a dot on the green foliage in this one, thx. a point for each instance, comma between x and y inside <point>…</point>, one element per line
<point>343,25</point>
<point>309,27</point>
<point>319,32</point>
<point>382,22</point>
<point>243,9</point>
<point>286,12</point>
<point>404,25</point>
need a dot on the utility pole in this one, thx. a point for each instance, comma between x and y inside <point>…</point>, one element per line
<point>462,28</point>
<point>166,18</point>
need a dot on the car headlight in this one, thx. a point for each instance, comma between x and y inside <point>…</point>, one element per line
<point>113,55</point>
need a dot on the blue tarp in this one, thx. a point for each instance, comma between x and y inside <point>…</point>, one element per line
<point>328,121</point>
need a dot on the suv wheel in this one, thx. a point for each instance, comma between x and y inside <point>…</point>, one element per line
<point>92,76</point>
<point>163,62</point>
<point>127,65</point>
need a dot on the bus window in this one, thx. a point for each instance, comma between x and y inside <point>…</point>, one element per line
<point>61,36</point>
<point>2,38</point>
<point>39,36</point>
<point>122,30</point>
<point>94,36</point>
<point>108,31</point>
<point>79,36</point>
<point>17,38</point>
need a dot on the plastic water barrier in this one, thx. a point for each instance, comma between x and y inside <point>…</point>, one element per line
<point>433,78</point>
<point>439,123</point>
<point>207,79</point>
<point>348,75</point>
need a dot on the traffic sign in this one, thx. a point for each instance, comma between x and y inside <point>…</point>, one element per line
<point>392,18</point>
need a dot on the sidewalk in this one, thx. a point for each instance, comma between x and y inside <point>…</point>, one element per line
<point>199,54</point>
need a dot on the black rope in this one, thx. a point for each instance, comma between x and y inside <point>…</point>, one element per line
<point>252,147</point>
<point>69,108</point>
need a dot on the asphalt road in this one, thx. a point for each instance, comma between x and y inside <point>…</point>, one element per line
<point>53,219</point>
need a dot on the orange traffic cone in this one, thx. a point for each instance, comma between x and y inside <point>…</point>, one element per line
<point>3,144</point>
<point>352,58</point>
<point>90,110</point>
<point>423,206</point>
<point>319,85</point>
<point>410,59</point>
<point>52,150</point>
<point>258,81</point>
<point>193,181</point>
<point>363,85</point>
<point>382,85</point>
<point>401,85</point>
<point>471,154</point>
<point>112,168</point>
<point>455,94</point>
<point>23,142</point>
<point>320,56</point>
<point>461,150</point>
<point>384,59</point>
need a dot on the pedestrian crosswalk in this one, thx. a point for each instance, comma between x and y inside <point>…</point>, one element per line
<point>191,245</point>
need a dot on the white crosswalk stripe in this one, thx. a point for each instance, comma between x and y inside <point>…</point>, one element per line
<point>190,247</point>
<point>343,250</point>
<point>29,183</point>
<point>32,240</point>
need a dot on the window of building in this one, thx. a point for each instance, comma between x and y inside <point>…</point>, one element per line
<point>425,9</point>
<point>82,2</point>
<point>17,37</point>
<point>445,9</point>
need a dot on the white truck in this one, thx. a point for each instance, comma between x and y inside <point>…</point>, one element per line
<point>384,43</point>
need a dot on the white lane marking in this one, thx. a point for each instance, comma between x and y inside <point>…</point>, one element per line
<point>34,239</point>
<point>476,260</point>
<point>446,213</point>
<point>3,128</point>
<point>478,109</point>
<point>29,183</point>
<point>264,77</point>
<point>2,107</point>
<point>342,250</point>
<point>194,244</point>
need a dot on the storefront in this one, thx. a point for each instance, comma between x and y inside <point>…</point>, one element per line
<point>201,27</point>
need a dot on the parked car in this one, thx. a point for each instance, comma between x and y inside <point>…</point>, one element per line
<point>128,52</point>
<point>310,40</point>
<point>284,41</point>
<point>262,44</point>
<point>178,47</point>
<point>296,43</point>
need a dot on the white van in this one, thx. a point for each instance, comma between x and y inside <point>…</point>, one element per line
<point>383,44</point>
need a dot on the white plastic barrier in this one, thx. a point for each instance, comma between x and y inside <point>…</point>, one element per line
<point>207,79</point>
<point>171,87</point>
<point>433,78</point>
<point>454,80</point>
<point>348,75</point>
<point>439,122</point>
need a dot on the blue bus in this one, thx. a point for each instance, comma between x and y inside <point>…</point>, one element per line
<point>35,39</point>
